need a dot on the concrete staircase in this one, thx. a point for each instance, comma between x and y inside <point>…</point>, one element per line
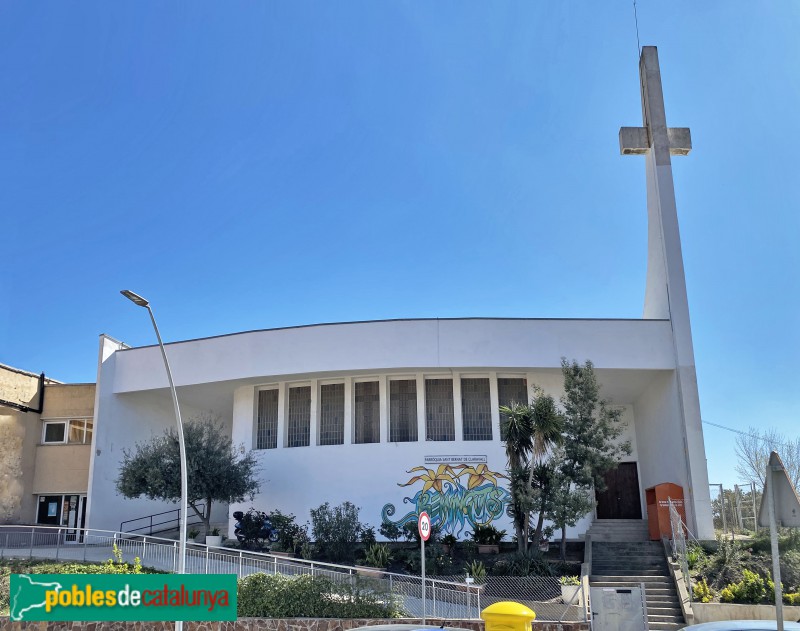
<point>619,530</point>
<point>616,564</point>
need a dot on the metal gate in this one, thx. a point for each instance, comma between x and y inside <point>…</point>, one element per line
<point>618,609</point>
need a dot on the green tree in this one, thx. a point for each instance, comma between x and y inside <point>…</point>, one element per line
<point>216,471</point>
<point>567,503</point>
<point>591,428</point>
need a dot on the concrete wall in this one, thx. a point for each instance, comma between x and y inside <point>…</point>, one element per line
<point>61,469</point>
<point>18,438</point>
<point>69,400</point>
<point>122,422</point>
<point>400,344</point>
<point>634,360</point>
<point>712,612</point>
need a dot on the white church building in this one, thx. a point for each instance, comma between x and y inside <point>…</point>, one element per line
<point>399,416</point>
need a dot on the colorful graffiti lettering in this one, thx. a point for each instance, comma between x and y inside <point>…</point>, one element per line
<point>457,497</point>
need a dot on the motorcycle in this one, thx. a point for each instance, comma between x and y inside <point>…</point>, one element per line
<point>254,528</point>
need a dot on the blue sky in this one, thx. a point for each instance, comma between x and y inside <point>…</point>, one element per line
<point>248,165</point>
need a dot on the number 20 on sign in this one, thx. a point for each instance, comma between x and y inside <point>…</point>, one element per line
<point>424,526</point>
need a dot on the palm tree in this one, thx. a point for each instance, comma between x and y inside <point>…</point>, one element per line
<point>547,428</point>
<point>518,435</point>
<point>530,431</point>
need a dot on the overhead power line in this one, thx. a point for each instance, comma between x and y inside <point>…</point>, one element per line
<point>740,432</point>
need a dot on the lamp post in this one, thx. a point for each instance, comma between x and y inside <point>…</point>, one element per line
<point>142,302</point>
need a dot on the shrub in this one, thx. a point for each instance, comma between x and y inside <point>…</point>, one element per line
<point>291,536</point>
<point>279,596</point>
<point>488,535</point>
<point>449,540</point>
<point>378,555</point>
<point>694,555</point>
<point>569,580</point>
<point>478,571</point>
<point>752,589</point>
<point>436,561</point>
<point>792,599</point>
<point>702,592</point>
<point>336,530</point>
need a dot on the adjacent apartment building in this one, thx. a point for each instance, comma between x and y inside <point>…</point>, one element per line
<point>46,432</point>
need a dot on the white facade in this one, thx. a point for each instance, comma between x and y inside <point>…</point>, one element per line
<point>645,366</point>
<point>223,376</point>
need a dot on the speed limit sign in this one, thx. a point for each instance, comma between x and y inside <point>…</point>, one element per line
<point>424,526</point>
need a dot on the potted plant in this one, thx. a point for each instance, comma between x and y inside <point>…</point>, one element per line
<point>214,538</point>
<point>191,534</point>
<point>448,543</point>
<point>571,590</point>
<point>488,539</point>
<point>376,560</point>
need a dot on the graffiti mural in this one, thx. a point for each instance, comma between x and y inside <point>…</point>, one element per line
<point>457,497</point>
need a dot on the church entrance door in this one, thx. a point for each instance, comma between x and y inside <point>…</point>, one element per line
<point>621,499</point>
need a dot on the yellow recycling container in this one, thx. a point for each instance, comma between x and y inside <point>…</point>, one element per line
<point>507,616</point>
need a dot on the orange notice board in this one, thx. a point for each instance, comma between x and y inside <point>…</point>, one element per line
<point>657,498</point>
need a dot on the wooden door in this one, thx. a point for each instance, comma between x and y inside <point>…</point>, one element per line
<point>621,499</point>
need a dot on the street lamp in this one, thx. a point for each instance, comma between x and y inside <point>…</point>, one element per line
<point>142,302</point>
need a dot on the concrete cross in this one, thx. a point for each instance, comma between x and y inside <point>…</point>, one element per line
<point>655,134</point>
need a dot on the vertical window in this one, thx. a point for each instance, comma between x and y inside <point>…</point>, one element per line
<point>403,411</point>
<point>331,414</point>
<point>299,425</point>
<point>510,391</point>
<point>267,425</point>
<point>439,420</point>
<point>367,412</point>
<point>476,409</point>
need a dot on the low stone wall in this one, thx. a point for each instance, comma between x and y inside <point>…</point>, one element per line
<point>268,624</point>
<point>712,612</point>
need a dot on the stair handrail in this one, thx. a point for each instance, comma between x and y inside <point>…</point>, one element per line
<point>160,523</point>
<point>678,543</point>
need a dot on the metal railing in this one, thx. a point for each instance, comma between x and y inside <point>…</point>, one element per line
<point>678,542</point>
<point>445,597</point>
<point>163,521</point>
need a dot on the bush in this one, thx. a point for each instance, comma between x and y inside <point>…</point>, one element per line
<point>436,561</point>
<point>694,555</point>
<point>336,530</point>
<point>522,565</point>
<point>378,555</point>
<point>702,592</point>
<point>112,566</point>
<point>478,571</point>
<point>752,589</point>
<point>488,535</point>
<point>279,596</point>
<point>291,536</point>
<point>792,599</point>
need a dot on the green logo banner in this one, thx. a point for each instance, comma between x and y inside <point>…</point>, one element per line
<point>100,597</point>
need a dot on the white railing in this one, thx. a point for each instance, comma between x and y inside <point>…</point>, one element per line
<point>445,597</point>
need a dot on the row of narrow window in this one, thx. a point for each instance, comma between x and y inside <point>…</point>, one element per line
<point>476,411</point>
